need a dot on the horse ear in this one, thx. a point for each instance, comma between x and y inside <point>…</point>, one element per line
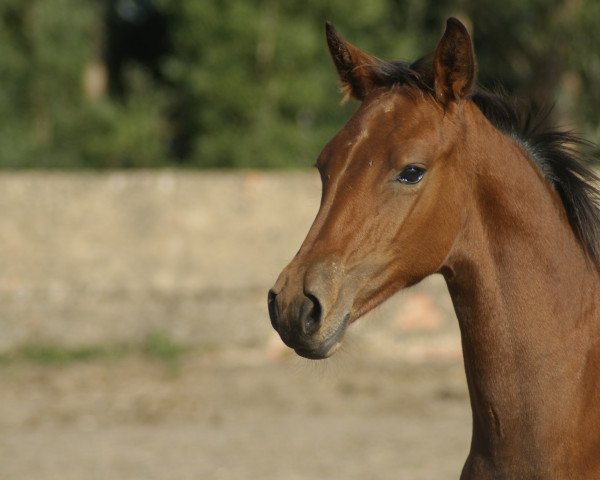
<point>454,63</point>
<point>357,70</point>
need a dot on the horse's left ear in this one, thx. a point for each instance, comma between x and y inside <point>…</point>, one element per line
<point>454,63</point>
<point>357,70</point>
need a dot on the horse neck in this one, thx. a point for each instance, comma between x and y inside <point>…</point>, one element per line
<point>528,304</point>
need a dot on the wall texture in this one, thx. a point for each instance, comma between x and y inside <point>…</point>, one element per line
<point>89,259</point>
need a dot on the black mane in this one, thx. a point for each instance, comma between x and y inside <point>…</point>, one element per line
<point>559,154</point>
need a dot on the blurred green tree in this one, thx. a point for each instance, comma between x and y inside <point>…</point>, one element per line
<point>249,83</point>
<point>46,48</point>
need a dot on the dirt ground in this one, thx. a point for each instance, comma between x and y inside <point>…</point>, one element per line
<point>99,260</point>
<point>228,418</point>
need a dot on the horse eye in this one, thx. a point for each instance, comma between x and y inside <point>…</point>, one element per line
<point>411,174</point>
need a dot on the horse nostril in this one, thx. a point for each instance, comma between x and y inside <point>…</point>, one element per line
<point>273,310</point>
<point>311,315</point>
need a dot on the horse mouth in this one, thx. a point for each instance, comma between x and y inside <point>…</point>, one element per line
<point>328,347</point>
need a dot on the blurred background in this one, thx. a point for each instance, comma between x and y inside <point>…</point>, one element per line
<point>158,83</point>
<point>155,178</point>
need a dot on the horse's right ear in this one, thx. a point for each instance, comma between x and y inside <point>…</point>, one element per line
<point>358,71</point>
<point>454,63</point>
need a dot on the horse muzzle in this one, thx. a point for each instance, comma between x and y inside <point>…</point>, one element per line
<point>303,318</point>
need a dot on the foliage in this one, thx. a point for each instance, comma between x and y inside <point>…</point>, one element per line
<point>162,346</point>
<point>158,345</point>
<point>250,81</point>
<point>45,48</point>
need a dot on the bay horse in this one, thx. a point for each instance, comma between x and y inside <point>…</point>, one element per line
<point>433,174</point>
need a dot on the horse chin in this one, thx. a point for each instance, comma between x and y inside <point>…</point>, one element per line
<point>318,354</point>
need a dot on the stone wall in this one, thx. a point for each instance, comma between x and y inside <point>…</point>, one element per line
<point>89,258</point>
